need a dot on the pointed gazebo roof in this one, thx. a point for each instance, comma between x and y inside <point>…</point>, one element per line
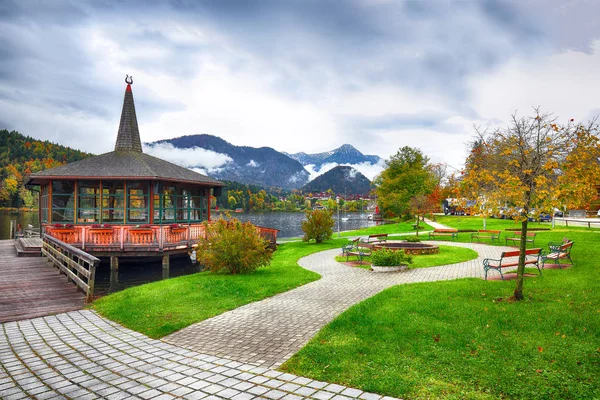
<point>127,161</point>
<point>128,137</point>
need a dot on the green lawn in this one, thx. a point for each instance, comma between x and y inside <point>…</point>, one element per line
<point>464,339</point>
<point>400,227</point>
<point>476,223</point>
<point>160,308</point>
<point>447,255</point>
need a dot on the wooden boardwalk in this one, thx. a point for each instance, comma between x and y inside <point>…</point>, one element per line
<point>31,287</point>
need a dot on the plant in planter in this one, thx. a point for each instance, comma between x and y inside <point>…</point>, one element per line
<point>413,239</point>
<point>386,260</point>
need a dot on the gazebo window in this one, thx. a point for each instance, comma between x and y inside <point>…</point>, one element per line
<point>113,201</point>
<point>197,206</point>
<point>164,204</point>
<point>137,202</point>
<point>63,201</point>
<point>88,202</point>
<point>44,199</point>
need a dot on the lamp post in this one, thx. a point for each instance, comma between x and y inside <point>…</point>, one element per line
<point>337,202</point>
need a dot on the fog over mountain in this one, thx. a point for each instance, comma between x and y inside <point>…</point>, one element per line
<point>264,166</point>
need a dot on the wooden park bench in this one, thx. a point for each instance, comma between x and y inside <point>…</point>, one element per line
<point>351,246</point>
<point>516,237</point>
<point>444,232</point>
<point>379,237</point>
<point>558,251</point>
<point>511,259</point>
<point>486,234</point>
<point>356,249</point>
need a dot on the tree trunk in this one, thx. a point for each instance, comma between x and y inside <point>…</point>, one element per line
<point>484,224</point>
<point>417,228</point>
<point>518,295</point>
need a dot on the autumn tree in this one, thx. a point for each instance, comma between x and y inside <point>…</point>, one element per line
<point>408,174</point>
<point>232,246</point>
<point>533,163</point>
<point>318,225</point>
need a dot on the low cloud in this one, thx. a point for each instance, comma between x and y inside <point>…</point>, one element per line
<point>367,169</point>
<point>252,163</point>
<point>195,158</point>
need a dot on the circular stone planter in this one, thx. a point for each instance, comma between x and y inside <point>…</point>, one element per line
<point>389,269</point>
<point>409,247</point>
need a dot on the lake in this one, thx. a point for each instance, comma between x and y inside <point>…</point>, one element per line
<point>289,223</point>
<point>135,272</point>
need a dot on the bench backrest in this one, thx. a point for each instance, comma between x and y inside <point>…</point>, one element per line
<point>444,230</point>
<point>566,247</point>
<point>516,253</point>
<point>529,234</point>
<point>488,231</point>
<point>378,235</point>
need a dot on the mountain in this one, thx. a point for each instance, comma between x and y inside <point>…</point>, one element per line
<point>345,154</point>
<point>262,166</point>
<point>341,179</point>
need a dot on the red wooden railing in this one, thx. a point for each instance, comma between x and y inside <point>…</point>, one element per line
<point>123,238</point>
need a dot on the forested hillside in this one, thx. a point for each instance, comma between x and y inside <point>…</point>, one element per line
<point>256,198</point>
<point>22,155</point>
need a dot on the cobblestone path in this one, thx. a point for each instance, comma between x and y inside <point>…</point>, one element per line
<point>80,355</point>
<point>270,331</point>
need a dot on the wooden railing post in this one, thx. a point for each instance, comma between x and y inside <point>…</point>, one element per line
<point>77,265</point>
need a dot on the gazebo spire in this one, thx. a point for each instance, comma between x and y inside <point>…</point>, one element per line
<point>128,137</point>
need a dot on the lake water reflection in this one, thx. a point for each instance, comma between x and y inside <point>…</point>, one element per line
<point>289,223</point>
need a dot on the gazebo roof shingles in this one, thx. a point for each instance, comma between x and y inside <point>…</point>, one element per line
<point>126,161</point>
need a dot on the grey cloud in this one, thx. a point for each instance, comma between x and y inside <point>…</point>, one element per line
<point>399,121</point>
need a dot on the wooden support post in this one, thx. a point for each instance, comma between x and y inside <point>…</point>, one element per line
<point>114,279</point>
<point>114,263</point>
<point>165,266</point>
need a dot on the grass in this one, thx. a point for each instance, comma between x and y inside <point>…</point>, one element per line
<point>447,255</point>
<point>476,223</point>
<point>464,339</point>
<point>400,227</point>
<point>160,308</point>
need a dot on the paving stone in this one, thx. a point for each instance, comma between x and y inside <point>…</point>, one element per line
<point>370,396</point>
<point>195,396</point>
<point>323,395</point>
<point>274,394</point>
<point>305,391</point>
<point>351,392</point>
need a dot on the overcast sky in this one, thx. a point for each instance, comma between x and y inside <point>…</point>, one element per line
<point>296,75</point>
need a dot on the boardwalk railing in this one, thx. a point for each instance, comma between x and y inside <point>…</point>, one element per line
<point>138,239</point>
<point>16,231</point>
<point>77,265</point>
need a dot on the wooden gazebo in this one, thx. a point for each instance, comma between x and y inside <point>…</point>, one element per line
<point>125,203</point>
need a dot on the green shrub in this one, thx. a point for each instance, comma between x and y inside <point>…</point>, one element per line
<point>318,225</point>
<point>390,258</point>
<point>413,239</point>
<point>232,246</point>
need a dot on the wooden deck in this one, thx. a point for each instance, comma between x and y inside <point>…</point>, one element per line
<point>30,287</point>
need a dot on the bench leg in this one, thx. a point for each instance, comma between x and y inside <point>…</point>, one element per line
<point>501,275</point>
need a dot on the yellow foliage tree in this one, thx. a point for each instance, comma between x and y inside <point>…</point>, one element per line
<point>533,163</point>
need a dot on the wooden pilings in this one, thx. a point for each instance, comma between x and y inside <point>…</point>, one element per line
<point>165,266</point>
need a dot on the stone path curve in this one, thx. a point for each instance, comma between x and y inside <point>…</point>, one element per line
<point>269,332</point>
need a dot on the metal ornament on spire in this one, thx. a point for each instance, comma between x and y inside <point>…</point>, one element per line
<point>128,137</point>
